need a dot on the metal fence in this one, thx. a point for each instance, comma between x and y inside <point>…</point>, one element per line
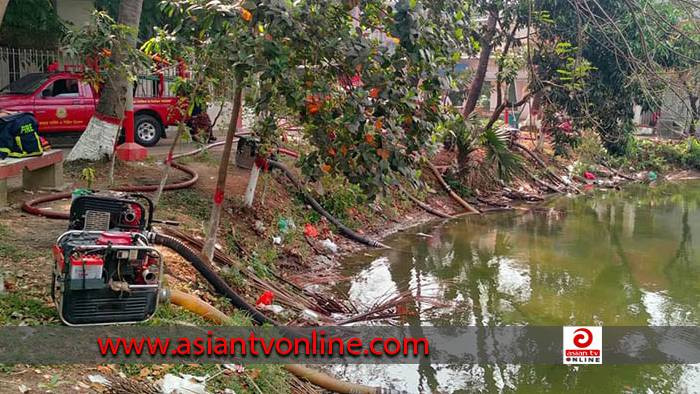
<point>148,84</point>
<point>16,63</point>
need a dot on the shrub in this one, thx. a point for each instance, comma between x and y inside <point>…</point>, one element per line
<point>692,156</point>
<point>339,196</point>
<point>590,149</point>
<point>663,155</point>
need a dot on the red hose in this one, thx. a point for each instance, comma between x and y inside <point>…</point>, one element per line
<point>32,208</point>
<point>288,152</point>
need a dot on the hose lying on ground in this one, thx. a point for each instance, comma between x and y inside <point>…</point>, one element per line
<point>207,311</point>
<point>196,305</point>
<point>328,382</point>
<point>212,277</point>
<point>423,205</point>
<point>31,206</point>
<point>198,150</point>
<point>318,208</point>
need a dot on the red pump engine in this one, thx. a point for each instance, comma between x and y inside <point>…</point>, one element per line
<point>105,269</point>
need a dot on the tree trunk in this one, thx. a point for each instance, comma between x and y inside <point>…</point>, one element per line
<point>210,242</point>
<point>694,114</point>
<point>252,184</point>
<point>98,139</point>
<point>480,73</point>
<point>449,190</point>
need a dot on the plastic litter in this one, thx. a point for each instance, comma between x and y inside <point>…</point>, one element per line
<point>286,225</point>
<point>589,175</point>
<point>235,368</point>
<point>310,230</point>
<point>274,308</point>
<point>266,298</point>
<point>187,384</point>
<point>315,288</point>
<point>652,176</point>
<point>99,379</point>
<point>329,245</point>
<point>277,240</point>
<point>309,315</point>
<point>80,192</point>
<point>282,225</point>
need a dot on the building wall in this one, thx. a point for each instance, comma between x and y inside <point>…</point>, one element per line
<point>77,12</point>
<point>3,7</point>
<point>521,84</point>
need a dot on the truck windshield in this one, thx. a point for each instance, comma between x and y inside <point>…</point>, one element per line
<point>25,85</point>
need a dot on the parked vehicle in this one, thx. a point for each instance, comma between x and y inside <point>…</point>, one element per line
<point>63,102</point>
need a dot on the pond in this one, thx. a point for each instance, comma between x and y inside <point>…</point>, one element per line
<point>629,257</point>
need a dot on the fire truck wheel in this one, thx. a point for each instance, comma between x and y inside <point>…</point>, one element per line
<point>147,130</point>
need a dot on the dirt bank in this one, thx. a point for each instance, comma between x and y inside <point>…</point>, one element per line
<point>266,245</point>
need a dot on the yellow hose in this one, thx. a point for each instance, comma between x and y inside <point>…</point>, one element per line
<point>197,305</point>
<point>328,382</point>
<point>209,312</point>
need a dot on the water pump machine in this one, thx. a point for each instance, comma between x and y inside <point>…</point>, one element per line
<point>106,270</point>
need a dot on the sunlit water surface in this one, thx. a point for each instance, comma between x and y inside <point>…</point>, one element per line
<point>628,257</point>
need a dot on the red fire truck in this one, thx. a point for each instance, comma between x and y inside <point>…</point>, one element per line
<point>63,103</point>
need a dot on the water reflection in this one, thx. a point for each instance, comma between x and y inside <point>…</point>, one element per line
<point>617,258</point>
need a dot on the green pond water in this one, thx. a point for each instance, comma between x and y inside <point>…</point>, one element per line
<point>629,257</point>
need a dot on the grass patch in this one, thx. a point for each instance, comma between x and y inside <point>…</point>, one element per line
<point>17,309</point>
<point>340,198</point>
<point>205,157</point>
<point>254,379</point>
<point>10,251</point>
<point>263,260</point>
<point>188,201</point>
<point>234,277</point>
<point>168,314</point>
